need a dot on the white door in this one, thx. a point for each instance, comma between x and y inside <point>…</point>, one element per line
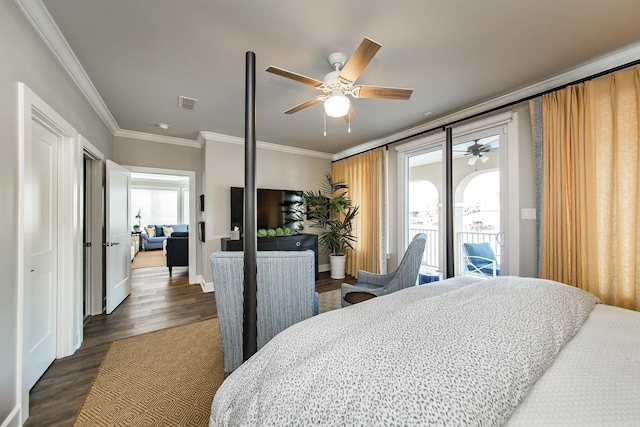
<point>118,235</point>
<point>41,254</point>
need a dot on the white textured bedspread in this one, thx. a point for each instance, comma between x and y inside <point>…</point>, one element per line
<point>594,381</point>
<point>465,357</point>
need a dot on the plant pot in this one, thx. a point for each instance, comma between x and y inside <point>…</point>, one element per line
<point>336,263</point>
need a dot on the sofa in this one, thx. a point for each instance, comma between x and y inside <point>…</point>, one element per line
<point>156,239</point>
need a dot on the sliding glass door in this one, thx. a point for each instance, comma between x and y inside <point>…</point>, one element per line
<point>479,199</point>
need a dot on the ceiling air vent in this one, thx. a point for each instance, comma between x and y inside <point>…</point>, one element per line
<point>186,102</point>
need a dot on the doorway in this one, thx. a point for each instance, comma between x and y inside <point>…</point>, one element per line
<point>186,210</point>
<point>93,229</point>
<point>485,213</point>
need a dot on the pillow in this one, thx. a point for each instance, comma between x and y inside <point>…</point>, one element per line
<point>151,231</point>
<point>166,231</point>
<point>159,231</point>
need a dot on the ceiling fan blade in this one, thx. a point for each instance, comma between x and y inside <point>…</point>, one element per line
<point>351,116</point>
<point>305,104</point>
<point>359,60</point>
<point>382,92</point>
<point>294,76</point>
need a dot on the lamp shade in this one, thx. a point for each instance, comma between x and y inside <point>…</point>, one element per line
<point>337,106</point>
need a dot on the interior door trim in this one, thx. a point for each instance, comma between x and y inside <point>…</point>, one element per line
<point>69,300</point>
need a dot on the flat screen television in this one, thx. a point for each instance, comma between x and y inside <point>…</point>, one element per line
<point>275,208</point>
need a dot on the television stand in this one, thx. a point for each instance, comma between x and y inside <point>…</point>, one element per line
<point>293,242</point>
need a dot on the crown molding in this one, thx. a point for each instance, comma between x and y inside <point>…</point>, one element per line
<point>44,25</point>
<point>157,138</point>
<point>217,137</point>
<point>610,61</point>
<point>41,20</point>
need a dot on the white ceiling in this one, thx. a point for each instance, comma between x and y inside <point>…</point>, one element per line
<point>141,55</point>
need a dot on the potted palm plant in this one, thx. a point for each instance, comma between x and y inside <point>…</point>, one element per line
<point>331,210</point>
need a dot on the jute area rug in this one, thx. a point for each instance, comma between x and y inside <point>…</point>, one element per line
<point>145,259</point>
<point>164,378</point>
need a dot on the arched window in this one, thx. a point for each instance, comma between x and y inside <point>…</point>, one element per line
<point>423,205</point>
<point>481,202</point>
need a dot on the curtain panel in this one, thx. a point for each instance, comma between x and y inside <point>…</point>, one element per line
<point>590,214</point>
<point>365,176</point>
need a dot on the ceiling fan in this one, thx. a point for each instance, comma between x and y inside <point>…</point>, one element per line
<point>478,152</point>
<point>339,83</point>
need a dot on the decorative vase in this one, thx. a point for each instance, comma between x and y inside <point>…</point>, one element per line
<point>336,263</point>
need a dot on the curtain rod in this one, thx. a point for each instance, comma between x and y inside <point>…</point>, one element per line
<point>491,110</point>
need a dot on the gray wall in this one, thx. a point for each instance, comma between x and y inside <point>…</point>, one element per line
<point>25,58</point>
<point>527,192</point>
<point>151,154</point>
<point>274,169</point>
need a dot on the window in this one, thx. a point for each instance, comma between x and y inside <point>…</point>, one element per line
<point>156,206</point>
<point>185,206</point>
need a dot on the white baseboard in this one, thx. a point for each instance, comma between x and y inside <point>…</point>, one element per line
<point>324,267</point>
<point>206,286</point>
<point>13,419</point>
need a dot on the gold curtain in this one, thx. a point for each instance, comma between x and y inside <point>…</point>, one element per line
<point>590,214</point>
<point>364,176</point>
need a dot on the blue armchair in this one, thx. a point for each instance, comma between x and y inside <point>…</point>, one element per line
<point>405,275</point>
<point>480,259</point>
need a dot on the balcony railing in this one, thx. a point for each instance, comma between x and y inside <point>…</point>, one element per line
<point>431,257</point>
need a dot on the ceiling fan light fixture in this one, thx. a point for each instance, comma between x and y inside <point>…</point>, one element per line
<point>337,106</point>
<point>484,158</point>
<point>472,160</point>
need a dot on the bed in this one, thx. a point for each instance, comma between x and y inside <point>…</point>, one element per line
<point>504,351</point>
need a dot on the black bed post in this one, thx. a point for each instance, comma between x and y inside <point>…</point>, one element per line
<point>249,337</point>
<point>448,185</point>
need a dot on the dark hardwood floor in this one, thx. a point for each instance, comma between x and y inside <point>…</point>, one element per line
<point>157,302</point>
